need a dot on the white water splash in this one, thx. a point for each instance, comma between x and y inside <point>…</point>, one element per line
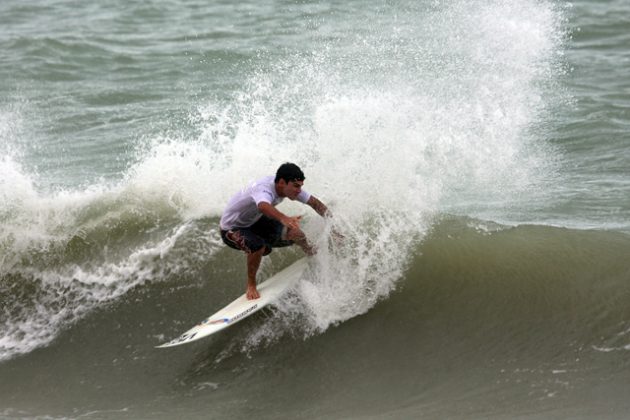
<point>66,294</point>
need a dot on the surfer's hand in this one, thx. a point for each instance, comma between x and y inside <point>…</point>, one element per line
<point>252,293</point>
<point>292,222</point>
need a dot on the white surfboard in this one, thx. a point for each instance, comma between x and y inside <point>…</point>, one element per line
<point>241,308</point>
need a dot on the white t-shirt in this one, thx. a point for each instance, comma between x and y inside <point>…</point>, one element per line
<point>242,209</point>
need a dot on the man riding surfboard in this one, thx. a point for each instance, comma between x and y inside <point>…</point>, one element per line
<point>252,224</point>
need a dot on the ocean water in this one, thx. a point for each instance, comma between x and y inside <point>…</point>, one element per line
<point>475,155</point>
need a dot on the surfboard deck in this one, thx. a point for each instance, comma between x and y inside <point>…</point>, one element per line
<point>270,290</point>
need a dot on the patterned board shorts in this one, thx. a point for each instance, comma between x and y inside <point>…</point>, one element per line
<point>266,232</point>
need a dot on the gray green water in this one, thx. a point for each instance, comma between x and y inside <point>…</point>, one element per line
<point>475,155</point>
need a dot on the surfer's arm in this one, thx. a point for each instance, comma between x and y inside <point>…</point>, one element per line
<point>270,211</point>
<point>318,206</point>
<point>323,211</point>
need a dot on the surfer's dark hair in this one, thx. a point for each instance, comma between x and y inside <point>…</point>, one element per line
<point>289,172</point>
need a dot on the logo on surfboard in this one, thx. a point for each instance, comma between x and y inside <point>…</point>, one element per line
<point>228,320</point>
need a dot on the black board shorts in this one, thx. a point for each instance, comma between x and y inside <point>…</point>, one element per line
<point>266,232</point>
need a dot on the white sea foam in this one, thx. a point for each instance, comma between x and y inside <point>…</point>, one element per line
<point>68,293</point>
<point>37,226</point>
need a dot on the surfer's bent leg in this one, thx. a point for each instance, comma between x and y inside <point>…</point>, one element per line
<point>254,246</point>
<point>253,262</point>
<point>276,235</point>
<point>258,240</point>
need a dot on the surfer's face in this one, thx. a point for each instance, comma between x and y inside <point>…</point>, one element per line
<point>290,189</point>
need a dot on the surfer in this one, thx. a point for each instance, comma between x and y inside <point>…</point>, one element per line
<point>251,222</point>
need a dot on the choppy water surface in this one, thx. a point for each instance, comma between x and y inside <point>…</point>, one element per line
<point>474,154</point>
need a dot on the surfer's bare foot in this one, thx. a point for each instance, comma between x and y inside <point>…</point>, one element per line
<point>252,293</point>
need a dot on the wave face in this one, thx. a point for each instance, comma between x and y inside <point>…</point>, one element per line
<point>514,321</point>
